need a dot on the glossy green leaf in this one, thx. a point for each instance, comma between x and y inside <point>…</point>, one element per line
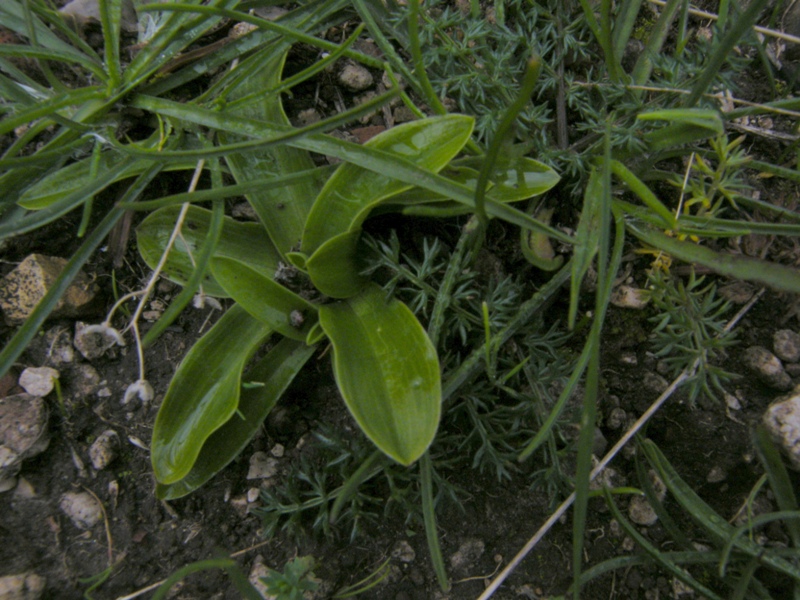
<point>387,371</point>
<point>512,181</point>
<point>368,158</point>
<point>283,211</point>
<point>334,267</point>
<point>204,393</point>
<point>268,301</point>
<point>352,191</point>
<point>273,373</point>
<point>246,242</point>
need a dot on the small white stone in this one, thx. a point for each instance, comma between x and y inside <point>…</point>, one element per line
<point>616,418</point>
<point>278,450</point>
<point>767,367</point>
<point>23,586</point>
<point>786,344</point>
<point>355,77</point>
<point>92,341</point>
<point>716,475</point>
<point>732,402</point>
<point>403,552</point>
<point>38,381</point>
<point>104,449</point>
<point>252,495</point>
<point>257,573</point>
<point>782,421</point>
<point>640,511</point>
<point>626,296</point>
<point>468,553</point>
<point>262,466</point>
<point>24,491</point>
<point>82,508</point>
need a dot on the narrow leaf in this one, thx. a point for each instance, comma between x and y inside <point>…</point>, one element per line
<point>776,276</point>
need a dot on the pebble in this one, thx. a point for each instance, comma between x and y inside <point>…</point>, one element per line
<point>716,475</point>
<point>257,571</point>
<point>640,510</point>
<point>782,420</point>
<point>38,381</point>
<point>654,382</point>
<point>104,449</point>
<point>262,466</point>
<point>616,418</point>
<point>786,344</point>
<point>85,380</point>
<point>403,114</point>
<point>252,495</point>
<point>82,508</point>
<point>23,586</point>
<point>308,116</point>
<point>628,358</point>
<point>23,434</point>
<point>403,552</point>
<point>767,367</point>
<point>23,288</point>
<point>467,554</point>
<point>60,348</point>
<point>626,296</point>
<point>355,77</point>
<point>92,341</point>
<point>278,450</point>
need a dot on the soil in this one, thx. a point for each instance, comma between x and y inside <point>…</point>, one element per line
<point>141,541</point>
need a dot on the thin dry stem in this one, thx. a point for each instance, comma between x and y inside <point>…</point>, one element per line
<point>157,271</point>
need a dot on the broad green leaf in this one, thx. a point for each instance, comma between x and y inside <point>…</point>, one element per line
<point>246,242</point>
<point>387,371</point>
<point>283,211</point>
<point>268,301</point>
<point>204,393</point>
<point>521,180</point>
<point>270,376</point>
<point>737,266</point>
<point>376,161</point>
<point>517,178</point>
<point>334,267</point>
<point>352,191</point>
